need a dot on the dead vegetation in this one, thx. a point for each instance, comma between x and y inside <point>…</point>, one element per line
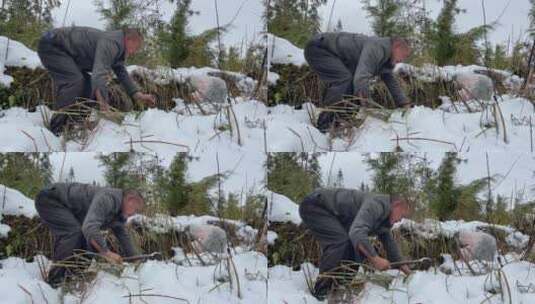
<point>33,87</point>
<point>295,245</point>
<point>29,237</point>
<point>298,85</point>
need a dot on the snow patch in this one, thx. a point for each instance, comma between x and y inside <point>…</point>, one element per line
<point>15,54</point>
<point>282,51</point>
<point>282,209</point>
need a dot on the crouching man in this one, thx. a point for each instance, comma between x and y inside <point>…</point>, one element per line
<point>341,220</point>
<point>76,214</point>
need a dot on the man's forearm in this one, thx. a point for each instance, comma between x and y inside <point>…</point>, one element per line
<point>99,248</point>
<point>366,252</point>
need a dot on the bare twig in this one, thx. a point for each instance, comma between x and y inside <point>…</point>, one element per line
<point>33,140</point>
<point>155,295</point>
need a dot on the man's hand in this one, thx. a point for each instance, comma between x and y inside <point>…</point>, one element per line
<point>102,103</point>
<point>406,270</point>
<point>113,257</point>
<point>196,96</point>
<point>379,263</point>
<point>147,99</point>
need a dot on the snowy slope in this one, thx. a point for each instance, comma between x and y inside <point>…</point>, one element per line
<point>282,209</point>
<point>429,287</point>
<point>15,54</point>
<point>12,202</point>
<point>161,223</point>
<point>282,51</point>
<point>159,281</point>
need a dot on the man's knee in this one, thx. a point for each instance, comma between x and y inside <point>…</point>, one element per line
<point>42,201</point>
<point>305,209</point>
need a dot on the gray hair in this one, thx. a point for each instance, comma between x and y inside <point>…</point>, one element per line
<point>133,33</point>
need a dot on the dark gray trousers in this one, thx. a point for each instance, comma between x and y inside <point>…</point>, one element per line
<point>70,83</point>
<point>65,228</point>
<point>337,77</point>
<point>331,233</point>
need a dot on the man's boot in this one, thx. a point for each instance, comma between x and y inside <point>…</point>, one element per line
<point>57,123</point>
<point>325,121</point>
<point>322,287</point>
<point>56,276</point>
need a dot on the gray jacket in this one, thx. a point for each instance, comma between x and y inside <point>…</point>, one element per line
<point>97,52</point>
<point>96,208</point>
<point>367,57</point>
<point>366,214</point>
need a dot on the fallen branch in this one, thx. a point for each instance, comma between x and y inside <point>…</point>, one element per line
<point>156,295</point>
<point>157,142</point>
<point>426,139</point>
<point>33,140</point>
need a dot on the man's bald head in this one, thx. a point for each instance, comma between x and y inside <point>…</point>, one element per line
<point>133,40</point>
<point>400,209</point>
<point>133,202</point>
<point>401,50</point>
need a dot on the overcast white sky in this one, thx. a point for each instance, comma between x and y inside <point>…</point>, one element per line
<point>246,26</point>
<point>249,23</point>
<point>513,22</point>
<point>513,171</point>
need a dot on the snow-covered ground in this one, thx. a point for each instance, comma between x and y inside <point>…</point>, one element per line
<point>251,126</point>
<point>429,287</point>
<point>12,202</point>
<point>152,281</point>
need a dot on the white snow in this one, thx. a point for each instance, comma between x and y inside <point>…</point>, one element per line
<point>15,54</point>
<point>161,223</point>
<point>208,138</point>
<point>432,229</point>
<point>21,282</point>
<point>421,129</point>
<point>430,73</point>
<point>430,287</point>
<point>282,209</point>
<point>165,75</point>
<point>287,286</point>
<point>282,51</point>
<point>12,202</point>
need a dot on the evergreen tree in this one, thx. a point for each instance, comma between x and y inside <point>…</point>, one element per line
<point>117,167</point>
<point>231,60</point>
<point>531,16</point>
<point>449,200</point>
<point>71,178</point>
<point>445,195</point>
<point>26,20</point>
<point>133,170</point>
<point>339,27</point>
<point>22,171</point>
<point>120,14</point>
<point>339,183</point>
<point>499,58</point>
<point>174,36</point>
<point>449,47</point>
<point>390,174</point>
<point>386,17</point>
<point>291,175</point>
<point>294,20</point>
<point>45,168</point>
<point>174,185</point>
